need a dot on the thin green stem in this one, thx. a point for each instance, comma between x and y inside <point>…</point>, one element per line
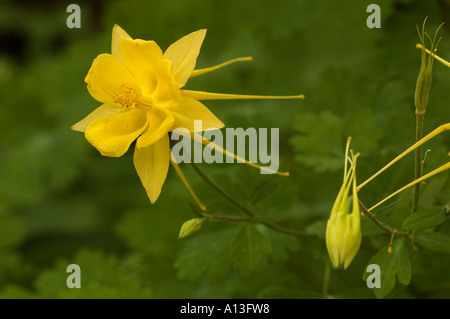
<point>285,229</point>
<point>227,218</point>
<point>418,160</point>
<point>221,191</point>
<point>242,207</point>
<point>326,279</point>
<point>380,224</point>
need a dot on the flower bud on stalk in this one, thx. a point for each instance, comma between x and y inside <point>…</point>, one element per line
<point>190,227</point>
<point>423,84</point>
<point>343,234</point>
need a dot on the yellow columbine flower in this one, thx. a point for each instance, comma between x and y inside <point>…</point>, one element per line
<point>140,88</point>
<point>343,234</point>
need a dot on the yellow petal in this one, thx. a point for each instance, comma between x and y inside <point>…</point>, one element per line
<point>101,111</point>
<point>426,138</point>
<point>142,58</point>
<point>159,124</point>
<point>183,54</point>
<point>199,95</point>
<point>167,93</point>
<point>419,46</point>
<point>218,66</point>
<point>112,135</point>
<point>152,164</point>
<point>414,182</point>
<point>199,138</point>
<point>190,110</point>
<point>108,77</point>
<point>117,34</point>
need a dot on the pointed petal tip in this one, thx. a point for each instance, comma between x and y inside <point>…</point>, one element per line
<point>75,128</point>
<point>152,198</point>
<point>117,27</point>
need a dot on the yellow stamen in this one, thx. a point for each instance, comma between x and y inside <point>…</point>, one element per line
<point>186,183</point>
<point>128,98</point>
<point>390,242</point>
<point>218,66</point>
<point>437,131</point>
<point>436,171</point>
<point>199,95</point>
<point>419,46</point>
<point>200,139</point>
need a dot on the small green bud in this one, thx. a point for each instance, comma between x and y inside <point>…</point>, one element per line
<point>423,84</point>
<point>343,234</point>
<point>190,227</point>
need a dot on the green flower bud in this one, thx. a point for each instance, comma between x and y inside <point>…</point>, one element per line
<point>424,79</point>
<point>190,227</point>
<point>343,234</point>
<point>423,86</point>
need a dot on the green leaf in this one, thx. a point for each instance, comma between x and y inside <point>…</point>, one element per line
<point>287,293</point>
<point>101,276</point>
<point>434,187</point>
<point>392,265</point>
<point>206,252</point>
<point>249,247</point>
<point>281,244</point>
<point>434,241</point>
<point>323,149</point>
<point>263,187</point>
<point>425,218</point>
<point>404,270</point>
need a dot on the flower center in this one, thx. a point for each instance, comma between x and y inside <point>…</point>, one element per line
<point>128,98</point>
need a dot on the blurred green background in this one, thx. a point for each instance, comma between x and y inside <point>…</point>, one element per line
<point>61,202</point>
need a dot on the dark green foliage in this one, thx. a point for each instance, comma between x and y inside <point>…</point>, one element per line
<point>62,203</point>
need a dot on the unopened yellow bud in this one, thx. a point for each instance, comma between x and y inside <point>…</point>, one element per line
<point>343,234</point>
<point>190,227</point>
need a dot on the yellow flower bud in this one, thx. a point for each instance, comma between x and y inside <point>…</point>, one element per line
<point>190,227</point>
<point>343,234</point>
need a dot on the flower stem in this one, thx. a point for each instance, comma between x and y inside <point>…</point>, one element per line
<point>377,222</point>
<point>418,160</point>
<point>221,191</point>
<point>326,279</point>
<point>227,218</point>
<point>285,229</point>
<point>248,211</point>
